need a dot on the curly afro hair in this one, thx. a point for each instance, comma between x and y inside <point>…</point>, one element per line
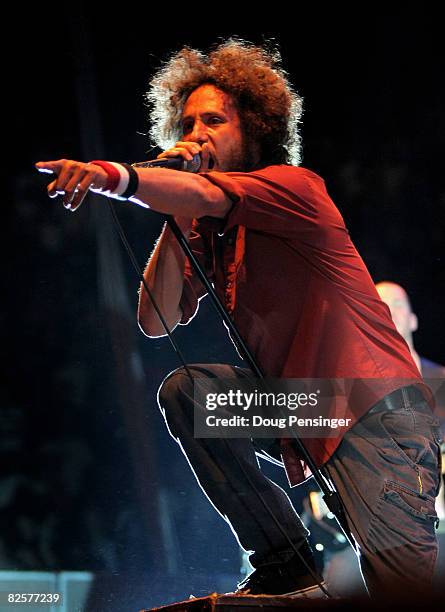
<point>269,109</point>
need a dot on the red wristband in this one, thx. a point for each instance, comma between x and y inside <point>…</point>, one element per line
<point>113,174</point>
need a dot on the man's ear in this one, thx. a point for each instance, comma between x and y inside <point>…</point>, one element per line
<point>413,322</point>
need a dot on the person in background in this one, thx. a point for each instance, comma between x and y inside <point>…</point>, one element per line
<point>406,322</point>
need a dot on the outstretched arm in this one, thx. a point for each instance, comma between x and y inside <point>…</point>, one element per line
<point>165,191</point>
<point>184,195</point>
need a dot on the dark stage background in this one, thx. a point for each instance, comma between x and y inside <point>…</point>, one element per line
<point>90,479</point>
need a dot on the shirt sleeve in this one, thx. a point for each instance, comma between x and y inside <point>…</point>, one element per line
<point>280,200</point>
<point>193,290</point>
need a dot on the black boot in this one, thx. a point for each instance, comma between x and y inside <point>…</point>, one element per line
<point>291,578</point>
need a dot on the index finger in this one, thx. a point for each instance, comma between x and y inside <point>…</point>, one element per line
<point>190,145</point>
<point>50,167</point>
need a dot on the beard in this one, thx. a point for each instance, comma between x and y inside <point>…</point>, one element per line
<point>243,158</point>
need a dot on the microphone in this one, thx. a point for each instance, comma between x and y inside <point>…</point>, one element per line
<point>173,163</point>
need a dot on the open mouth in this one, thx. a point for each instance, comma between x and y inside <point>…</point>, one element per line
<point>211,163</point>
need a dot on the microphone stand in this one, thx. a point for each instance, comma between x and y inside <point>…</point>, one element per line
<point>330,495</point>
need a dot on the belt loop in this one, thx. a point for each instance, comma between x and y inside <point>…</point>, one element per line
<point>406,400</point>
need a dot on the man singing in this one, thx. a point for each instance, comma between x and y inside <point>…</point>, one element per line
<point>280,257</point>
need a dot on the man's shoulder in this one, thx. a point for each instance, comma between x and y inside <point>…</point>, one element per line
<point>281,179</point>
<point>278,171</point>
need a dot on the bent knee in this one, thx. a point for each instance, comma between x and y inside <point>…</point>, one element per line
<point>173,386</point>
<point>173,380</point>
<point>175,399</point>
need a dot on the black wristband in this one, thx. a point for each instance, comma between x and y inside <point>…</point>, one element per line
<point>133,182</point>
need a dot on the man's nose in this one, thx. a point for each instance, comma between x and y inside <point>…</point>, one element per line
<point>199,133</point>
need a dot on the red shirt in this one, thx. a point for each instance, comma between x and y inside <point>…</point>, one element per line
<point>285,267</point>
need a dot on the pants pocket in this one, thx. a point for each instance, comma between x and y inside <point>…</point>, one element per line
<point>402,431</point>
<point>412,440</point>
<point>404,519</point>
